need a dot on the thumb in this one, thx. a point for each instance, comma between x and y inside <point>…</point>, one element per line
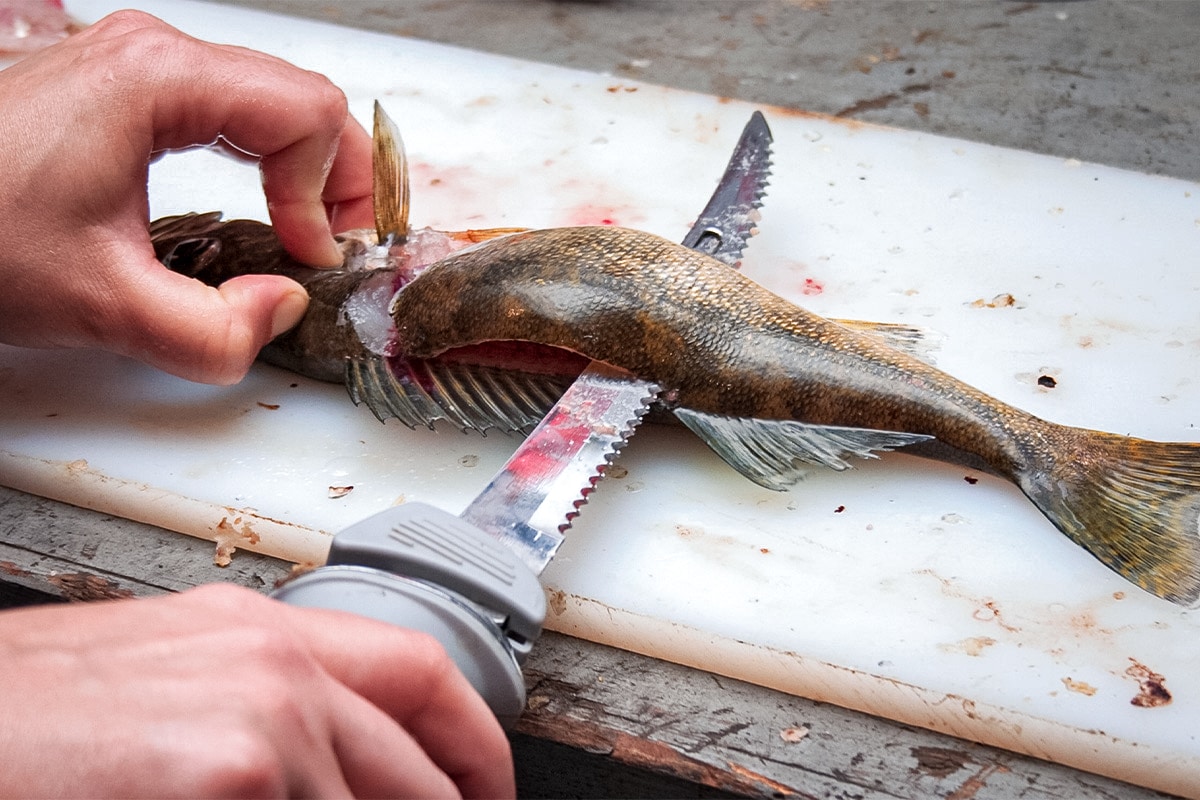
<point>206,334</point>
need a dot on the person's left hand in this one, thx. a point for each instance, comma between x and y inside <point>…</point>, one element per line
<point>82,121</point>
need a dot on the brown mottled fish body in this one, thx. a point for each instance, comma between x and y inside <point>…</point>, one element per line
<point>726,346</point>
<point>767,384</point>
<point>722,343</point>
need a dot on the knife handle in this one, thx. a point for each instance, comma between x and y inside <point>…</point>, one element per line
<point>419,567</point>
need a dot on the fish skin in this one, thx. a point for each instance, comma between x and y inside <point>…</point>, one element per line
<point>720,345</point>
<point>212,250</point>
<point>719,341</point>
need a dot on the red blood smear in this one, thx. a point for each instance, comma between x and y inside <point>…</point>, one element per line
<point>592,215</point>
<point>812,287</point>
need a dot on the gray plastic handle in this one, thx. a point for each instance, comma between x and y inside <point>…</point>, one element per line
<point>418,567</point>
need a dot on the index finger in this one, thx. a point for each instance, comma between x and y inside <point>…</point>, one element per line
<point>312,152</point>
<point>409,676</point>
<point>311,183</point>
<point>296,121</point>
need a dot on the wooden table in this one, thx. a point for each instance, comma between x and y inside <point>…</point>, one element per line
<point>600,722</point>
<point>1111,82</point>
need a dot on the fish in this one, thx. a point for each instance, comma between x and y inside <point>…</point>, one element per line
<point>486,328</point>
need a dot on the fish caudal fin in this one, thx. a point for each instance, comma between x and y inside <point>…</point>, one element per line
<point>774,452</point>
<point>1133,504</point>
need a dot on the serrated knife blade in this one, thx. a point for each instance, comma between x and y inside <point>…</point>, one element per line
<point>533,499</point>
<point>731,216</point>
<point>536,495</point>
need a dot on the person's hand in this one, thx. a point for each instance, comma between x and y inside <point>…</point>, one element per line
<point>222,692</point>
<point>82,121</point>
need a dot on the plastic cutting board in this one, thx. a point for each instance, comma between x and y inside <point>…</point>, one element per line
<point>921,592</point>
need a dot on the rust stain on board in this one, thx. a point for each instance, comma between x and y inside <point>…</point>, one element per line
<point>10,568</point>
<point>971,786</point>
<point>940,762</point>
<point>80,587</point>
<point>228,535</point>
<point>557,600</point>
<point>781,789</point>
<point>542,721</point>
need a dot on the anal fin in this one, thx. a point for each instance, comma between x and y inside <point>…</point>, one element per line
<point>773,452</point>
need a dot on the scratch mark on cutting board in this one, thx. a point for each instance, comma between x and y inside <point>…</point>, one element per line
<point>986,609</point>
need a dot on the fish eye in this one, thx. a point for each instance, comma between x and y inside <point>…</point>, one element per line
<point>190,256</point>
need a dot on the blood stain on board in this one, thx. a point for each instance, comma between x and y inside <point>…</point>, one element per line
<point>1152,692</point>
<point>592,215</point>
<point>812,287</point>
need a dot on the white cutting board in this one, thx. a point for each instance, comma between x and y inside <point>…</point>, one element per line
<point>902,588</point>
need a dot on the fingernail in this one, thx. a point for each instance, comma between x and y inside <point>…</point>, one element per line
<point>332,256</point>
<point>288,312</point>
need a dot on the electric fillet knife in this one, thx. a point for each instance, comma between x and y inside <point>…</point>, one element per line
<point>471,580</point>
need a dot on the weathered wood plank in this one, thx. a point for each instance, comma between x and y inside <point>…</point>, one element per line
<point>632,724</point>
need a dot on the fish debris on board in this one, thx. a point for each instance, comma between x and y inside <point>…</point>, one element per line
<point>486,328</point>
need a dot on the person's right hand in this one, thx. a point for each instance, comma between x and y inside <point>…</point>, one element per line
<point>220,691</point>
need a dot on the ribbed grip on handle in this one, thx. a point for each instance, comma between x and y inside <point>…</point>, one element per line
<point>422,541</point>
<point>419,567</point>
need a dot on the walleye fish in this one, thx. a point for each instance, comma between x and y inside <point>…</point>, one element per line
<point>487,328</point>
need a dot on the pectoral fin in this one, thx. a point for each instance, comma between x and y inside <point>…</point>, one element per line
<point>471,397</point>
<point>772,452</point>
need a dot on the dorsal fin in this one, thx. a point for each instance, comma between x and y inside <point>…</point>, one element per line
<point>773,452</point>
<point>390,187</point>
<point>916,342</point>
<point>471,397</point>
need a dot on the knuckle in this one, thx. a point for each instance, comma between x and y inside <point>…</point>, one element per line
<point>328,101</point>
<point>245,765</point>
<point>229,597</point>
<point>428,660</point>
<point>140,40</point>
<point>125,21</point>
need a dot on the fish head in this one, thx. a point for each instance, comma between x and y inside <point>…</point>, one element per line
<point>204,247</point>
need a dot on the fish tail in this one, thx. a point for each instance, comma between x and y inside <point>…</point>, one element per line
<point>1132,503</point>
